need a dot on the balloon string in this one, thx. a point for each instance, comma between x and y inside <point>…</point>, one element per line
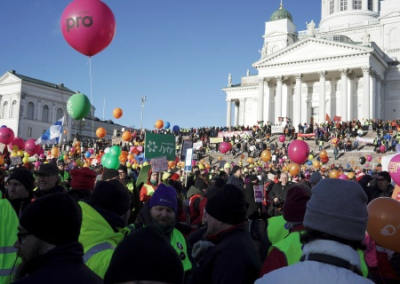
<point>91,94</point>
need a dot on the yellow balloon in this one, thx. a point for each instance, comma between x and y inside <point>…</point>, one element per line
<point>25,160</point>
<point>13,154</point>
<point>128,165</point>
<point>26,154</point>
<point>134,166</point>
<point>310,157</point>
<point>20,153</point>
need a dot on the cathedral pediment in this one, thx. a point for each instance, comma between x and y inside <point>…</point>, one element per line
<point>310,49</point>
<point>9,78</point>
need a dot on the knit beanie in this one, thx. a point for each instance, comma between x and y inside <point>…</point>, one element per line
<point>54,218</point>
<point>235,169</point>
<point>339,208</point>
<point>228,205</point>
<point>123,168</point>
<point>25,177</point>
<point>164,196</point>
<point>83,178</point>
<point>145,255</point>
<point>109,174</point>
<point>112,196</point>
<point>294,207</point>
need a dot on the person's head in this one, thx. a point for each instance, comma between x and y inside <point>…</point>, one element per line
<point>201,184</point>
<point>158,262</point>
<point>253,179</point>
<point>338,208</point>
<point>51,221</point>
<point>122,171</point>
<point>315,178</point>
<point>237,171</point>
<point>153,178</point>
<point>83,178</point>
<point>223,175</point>
<point>48,176</point>
<point>202,169</point>
<point>60,165</point>
<point>225,208</point>
<point>294,207</point>
<point>20,184</point>
<point>109,174</point>
<point>283,178</point>
<point>163,205</point>
<point>383,180</point>
<point>227,168</point>
<point>112,196</point>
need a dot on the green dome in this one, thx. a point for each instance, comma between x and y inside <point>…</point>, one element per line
<point>280,14</point>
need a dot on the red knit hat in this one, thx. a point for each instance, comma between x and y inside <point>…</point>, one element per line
<point>83,178</point>
<point>175,177</point>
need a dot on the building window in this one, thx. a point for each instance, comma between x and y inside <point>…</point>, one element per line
<point>60,114</point>
<point>357,4</point>
<point>31,108</point>
<point>343,5</point>
<point>29,132</point>
<point>45,113</point>
<point>5,110</point>
<point>370,5</point>
<point>331,7</point>
<point>14,109</point>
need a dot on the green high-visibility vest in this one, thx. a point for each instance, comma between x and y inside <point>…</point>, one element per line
<point>276,230</point>
<point>291,247</point>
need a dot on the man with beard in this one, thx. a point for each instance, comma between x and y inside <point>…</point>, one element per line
<point>48,181</point>
<point>278,195</point>
<point>161,211</point>
<point>227,253</point>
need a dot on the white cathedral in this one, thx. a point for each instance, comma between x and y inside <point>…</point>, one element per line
<point>347,67</point>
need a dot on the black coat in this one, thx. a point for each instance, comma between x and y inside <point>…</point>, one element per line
<point>249,195</point>
<point>233,259</point>
<point>63,264</point>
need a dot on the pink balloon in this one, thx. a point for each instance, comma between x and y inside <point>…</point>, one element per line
<point>342,176</point>
<point>394,169</point>
<point>30,147</point>
<point>282,138</point>
<point>280,161</point>
<point>369,158</point>
<point>224,147</point>
<point>37,164</point>
<point>39,150</point>
<point>88,26</point>
<point>139,148</point>
<point>42,156</point>
<point>298,151</point>
<point>19,142</point>
<point>91,151</point>
<point>382,148</point>
<point>6,135</point>
<point>72,150</point>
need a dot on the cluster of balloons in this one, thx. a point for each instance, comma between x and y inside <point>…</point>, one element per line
<point>159,124</point>
<point>110,159</point>
<point>323,156</point>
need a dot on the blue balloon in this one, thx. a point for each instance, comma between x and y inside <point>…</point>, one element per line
<point>87,154</point>
<point>166,125</point>
<point>348,165</point>
<point>309,162</point>
<point>175,129</point>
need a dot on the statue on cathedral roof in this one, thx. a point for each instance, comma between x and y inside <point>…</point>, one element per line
<point>311,28</point>
<point>366,38</point>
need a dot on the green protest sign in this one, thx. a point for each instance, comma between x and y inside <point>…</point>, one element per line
<point>159,145</point>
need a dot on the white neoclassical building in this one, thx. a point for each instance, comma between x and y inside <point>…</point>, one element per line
<point>30,106</point>
<point>348,66</point>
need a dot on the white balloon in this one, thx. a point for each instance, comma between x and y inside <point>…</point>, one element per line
<point>107,150</point>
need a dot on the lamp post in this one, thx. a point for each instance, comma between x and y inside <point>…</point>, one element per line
<point>143,100</point>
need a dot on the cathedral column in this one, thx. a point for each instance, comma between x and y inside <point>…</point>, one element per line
<point>366,93</point>
<point>350,4</point>
<point>237,107</point>
<point>372,95</point>
<point>285,98</point>
<point>278,99</point>
<point>297,100</point>
<point>228,114</point>
<point>322,96</point>
<point>260,99</point>
<point>350,99</point>
<point>364,5</point>
<point>242,111</point>
<point>344,100</point>
<point>337,6</point>
<point>378,113</point>
<point>267,103</point>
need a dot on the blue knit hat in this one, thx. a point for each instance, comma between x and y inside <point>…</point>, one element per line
<point>164,196</point>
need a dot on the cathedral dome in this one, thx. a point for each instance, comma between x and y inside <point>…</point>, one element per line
<point>280,14</point>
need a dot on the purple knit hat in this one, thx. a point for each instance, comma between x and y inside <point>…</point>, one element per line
<point>164,196</point>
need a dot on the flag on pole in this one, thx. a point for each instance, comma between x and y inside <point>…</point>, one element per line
<point>52,135</point>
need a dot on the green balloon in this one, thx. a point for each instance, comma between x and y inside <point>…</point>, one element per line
<point>115,151</point>
<point>78,106</point>
<point>112,163</point>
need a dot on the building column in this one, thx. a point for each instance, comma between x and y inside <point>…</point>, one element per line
<point>242,111</point>
<point>375,7</point>
<point>297,100</point>
<point>267,103</point>
<point>344,100</point>
<point>228,114</point>
<point>378,101</point>
<point>237,107</point>
<point>366,93</point>
<point>350,99</point>
<point>372,95</point>
<point>322,96</point>
<point>285,98</point>
<point>364,5</point>
<point>260,99</point>
<point>278,99</point>
<point>350,4</point>
<point>337,8</point>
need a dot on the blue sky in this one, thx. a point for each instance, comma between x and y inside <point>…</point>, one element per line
<point>178,53</point>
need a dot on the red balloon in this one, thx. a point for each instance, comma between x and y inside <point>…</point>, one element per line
<point>19,142</point>
<point>39,150</point>
<point>324,160</point>
<point>31,147</point>
<point>298,151</point>
<point>224,147</point>
<point>88,26</point>
<point>6,135</point>
<point>282,138</point>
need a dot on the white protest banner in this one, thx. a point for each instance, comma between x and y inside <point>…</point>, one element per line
<point>365,140</point>
<point>197,145</point>
<point>214,140</point>
<point>277,129</point>
<point>159,164</point>
<point>236,133</point>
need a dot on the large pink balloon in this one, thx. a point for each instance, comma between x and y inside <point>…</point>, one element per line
<point>19,142</point>
<point>224,147</point>
<point>6,135</point>
<point>30,147</point>
<point>394,169</point>
<point>88,26</point>
<point>282,138</point>
<point>298,151</point>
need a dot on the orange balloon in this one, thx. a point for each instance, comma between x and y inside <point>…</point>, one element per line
<point>323,154</point>
<point>122,159</point>
<point>117,113</point>
<point>294,169</point>
<point>55,152</point>
<point>242,156</point>
<point>219,158</point>
<point>202,161</point>
<point>126,136</point>
<point>159,124</point>
<point>101,132</point>
<point>350,175</point>
<point>124,154</point>
<point>207,165</point>
<point>315,164</point>
<point>1,160</point>
<point>265,155</point>
<point>250,160</point>
<point>130,157</point>
<point>284,169</point>
<point>383,222</point>
<point>334,174</point>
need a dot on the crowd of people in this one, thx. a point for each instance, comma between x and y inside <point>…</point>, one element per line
<point>216,223</point>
